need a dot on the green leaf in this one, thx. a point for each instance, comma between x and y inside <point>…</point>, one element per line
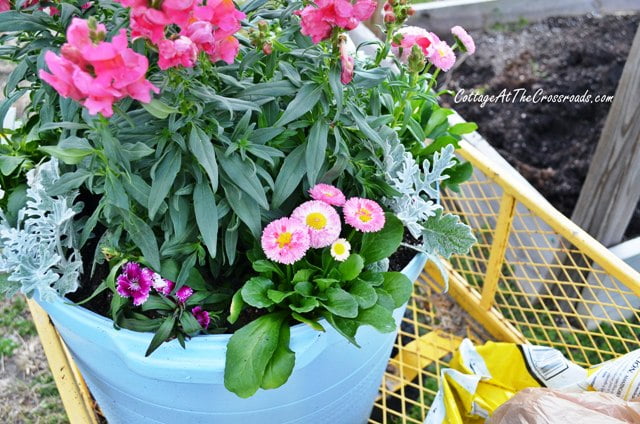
<point>278,296</point>
<point>290,175</point>
<point>263,265</point>
<point>351,267</point>
<point>347,327</point>
<point>249,352</point>
<point>237,304</point>
<point>204,204</point>
<point>163,179</point>
<point>282,362</point>
<point>69,181</point>
<point>378,317</point>
<point>446,235</point>
<point>341,303</point>
<point>245,207</point>
<point>337,88</point>
<point>15,21</point>
<point>115,192</point>
<point>439,116</point>
<point>364,294</point>
<point>68,155</point>
<point>141,233</point>
<point>161,335</point>
<point>310,322</point>
<point>189,323</point>
<point>158,109</point>
<point>307,97</point>
<point>307,304</point>
<point>398,286</point>
<point>304,288</point>
<point>201,147</point>
<point>254,292</point>
<point>155,302</point>
<point>380,245</point>
<point>463,128</point>
<point>8,164</point>
<point>315,151</point>
<point>303,275</point>
<point>244,176</point>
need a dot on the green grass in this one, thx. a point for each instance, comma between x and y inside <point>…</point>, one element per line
<point>31,396</point>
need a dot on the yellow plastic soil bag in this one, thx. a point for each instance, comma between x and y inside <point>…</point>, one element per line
<point>481,378</point>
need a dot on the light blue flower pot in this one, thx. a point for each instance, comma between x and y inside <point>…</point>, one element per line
<point>333,381</point>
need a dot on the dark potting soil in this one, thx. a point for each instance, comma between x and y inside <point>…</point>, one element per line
<point>551,144</point>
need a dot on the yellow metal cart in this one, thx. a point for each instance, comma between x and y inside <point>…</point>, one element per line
<point>533,277</point>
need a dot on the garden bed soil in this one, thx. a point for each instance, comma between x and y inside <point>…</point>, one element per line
<point>550,144</point>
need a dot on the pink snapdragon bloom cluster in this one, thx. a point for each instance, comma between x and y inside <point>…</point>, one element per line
<point>316,224</point>
<point>436,51</point>
<point>202,27</point>
<point>95,72</point>
<point>4,5</point>
<point>320,18</point>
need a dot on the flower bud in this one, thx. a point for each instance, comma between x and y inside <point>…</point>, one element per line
<point>267,49</point>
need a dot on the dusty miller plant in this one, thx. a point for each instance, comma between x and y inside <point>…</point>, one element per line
<point>39,252</point>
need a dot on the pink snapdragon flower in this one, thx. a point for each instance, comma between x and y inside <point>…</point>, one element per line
<point>328,194</point>
<point>201,316</point>
<point>162,285</point>
<point>184,293</point>
<point>135,282</point>
<point>442,56</point>
<point>148,23</point>
<point>347,64</point>
<point>181,51</point>
<point>409,36</point>
<point>285,240</point>
<point>322,221</point>
<point>364,215</point>
<point>179,11</point>
<point>464,39</point>
<point>4,5</point>
<point>97,73</point>
<point>319,19</point>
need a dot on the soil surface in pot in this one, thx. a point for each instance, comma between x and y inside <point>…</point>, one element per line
<point>551,144</point>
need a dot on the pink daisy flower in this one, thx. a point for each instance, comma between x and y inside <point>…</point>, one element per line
<point>285,240</point>
<point>135,282</point>
<point>364,215</point>
<point>184,293</point>
<point>464,39</point>
<point>201,316</point>
<point>442,56</point>
<point>328,194</point>
<point>162,285</point>
<point>322,220</point>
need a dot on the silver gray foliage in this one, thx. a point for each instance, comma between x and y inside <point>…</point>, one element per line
<point>418,185</point>
<point>40,254</point>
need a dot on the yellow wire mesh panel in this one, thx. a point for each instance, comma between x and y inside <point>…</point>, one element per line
<point>532,277</point>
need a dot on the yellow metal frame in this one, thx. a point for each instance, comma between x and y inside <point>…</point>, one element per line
<point>533,277</point>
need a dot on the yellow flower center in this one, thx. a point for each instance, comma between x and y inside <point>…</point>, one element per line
<point>339,249</point>
<point>316,220</point>
<point>364,215</point>
<point>328,194</point>
<point>284,239</point>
